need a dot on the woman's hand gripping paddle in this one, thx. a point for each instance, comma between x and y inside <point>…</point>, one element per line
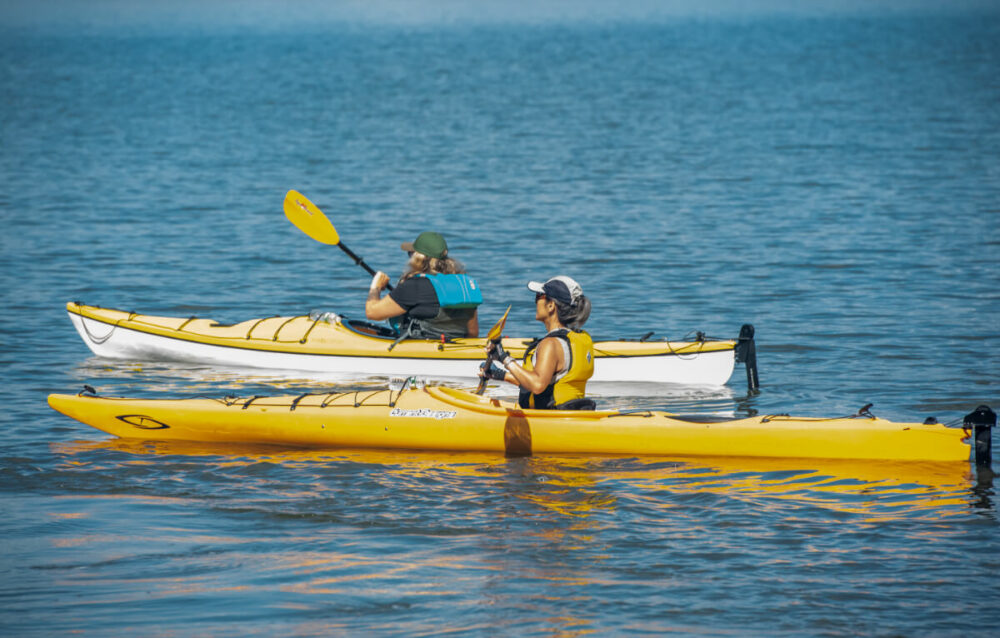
<point>493,336</point>
<point>311,220</point>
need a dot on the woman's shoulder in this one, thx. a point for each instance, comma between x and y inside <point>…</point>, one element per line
<point>551,340</point>
<point>413,290</point>
<point>415,282</point>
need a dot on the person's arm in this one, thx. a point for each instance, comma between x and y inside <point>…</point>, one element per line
<point>377,307</point>
<point>472,328</point>
<point>546,363</point>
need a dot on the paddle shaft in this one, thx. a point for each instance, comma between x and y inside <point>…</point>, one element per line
<point>494,336</point>
<point>482,382</point>
<point>361,262</point>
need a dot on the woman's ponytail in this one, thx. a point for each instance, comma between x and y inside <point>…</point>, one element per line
<point>573,317</point>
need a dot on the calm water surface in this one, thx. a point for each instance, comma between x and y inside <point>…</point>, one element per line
<point>832,179</point>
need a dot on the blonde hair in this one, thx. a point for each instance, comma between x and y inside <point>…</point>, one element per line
<point>432,266</point>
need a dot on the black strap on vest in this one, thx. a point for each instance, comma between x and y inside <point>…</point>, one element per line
<point>560,332</point>
<point>404,333</point>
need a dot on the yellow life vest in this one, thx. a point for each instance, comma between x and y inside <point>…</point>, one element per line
<point>568,385</point>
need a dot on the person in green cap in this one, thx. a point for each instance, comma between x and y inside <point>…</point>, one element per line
<point>434,298</point>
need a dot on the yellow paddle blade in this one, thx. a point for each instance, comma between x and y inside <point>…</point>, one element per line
<point>309,219</point>
<point>497,330</point>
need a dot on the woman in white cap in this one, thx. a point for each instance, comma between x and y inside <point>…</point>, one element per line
<point>433,298</point>
<point>556,367</point>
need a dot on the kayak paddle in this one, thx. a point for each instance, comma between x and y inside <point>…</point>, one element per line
<point>493,336</point>
<point>311,220</point>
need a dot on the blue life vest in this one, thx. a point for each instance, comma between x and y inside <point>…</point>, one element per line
<point>456,291</point>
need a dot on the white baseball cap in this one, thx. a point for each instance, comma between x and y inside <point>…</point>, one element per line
<point>562,288</point>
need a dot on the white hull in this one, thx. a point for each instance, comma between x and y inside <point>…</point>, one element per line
<point>712,368</point>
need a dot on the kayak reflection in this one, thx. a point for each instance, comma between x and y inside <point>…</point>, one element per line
<point>585,487</point>
<point>166,377</point>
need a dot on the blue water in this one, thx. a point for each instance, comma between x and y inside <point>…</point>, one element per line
<point>832,177</point>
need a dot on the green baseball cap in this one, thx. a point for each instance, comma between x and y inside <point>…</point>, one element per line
<point>429,243</point>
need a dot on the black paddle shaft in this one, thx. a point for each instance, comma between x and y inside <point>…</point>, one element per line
<point>490,358</point>
<point>486,368</point>
<point>361,262</point>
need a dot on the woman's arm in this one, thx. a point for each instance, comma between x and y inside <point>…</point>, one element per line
<point>377,308</point>
<point>547,362</point>
<point>472,328</point>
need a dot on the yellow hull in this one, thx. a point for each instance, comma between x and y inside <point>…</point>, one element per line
<point>441,418</point>
<point>345,346</point>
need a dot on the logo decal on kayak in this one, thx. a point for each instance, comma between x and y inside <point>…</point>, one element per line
<point>424,413</point>
<point>143,422</point>
<point>303,206</point>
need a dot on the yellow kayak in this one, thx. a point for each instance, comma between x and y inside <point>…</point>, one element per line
<point>445,418</point>
<point>335,344</point>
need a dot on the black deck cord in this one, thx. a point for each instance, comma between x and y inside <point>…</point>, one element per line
<point>699,338</point>
<point>863,413</point>
<point>247,403</point>
<point>406,384</point>
<point>330,397</point>
<point>90,335</point>
<point>228,400</point>
<point>79,304</point>
<point>306,335</point>
<point>295,403</point>
<point>643,413</point>
<point>257,323</point>
<point>954,423</point>
<point>184,325</point>
<point>358,404</point>
<point>286,322</point>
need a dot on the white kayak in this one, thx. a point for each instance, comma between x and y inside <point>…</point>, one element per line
<point>334,344</point>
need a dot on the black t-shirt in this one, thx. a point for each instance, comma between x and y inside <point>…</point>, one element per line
<point>417,297</point>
